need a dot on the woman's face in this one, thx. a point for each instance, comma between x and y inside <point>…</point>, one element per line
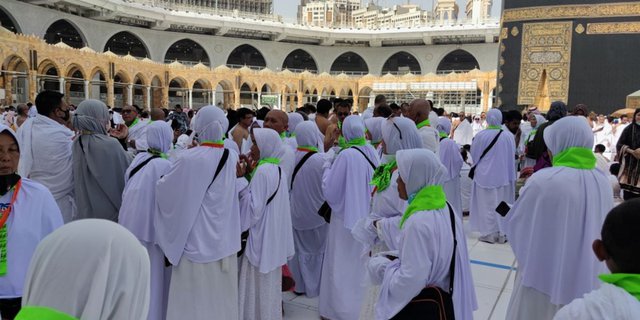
<point>255,152</point>
<point>9,154</point>
<point>402,189</point>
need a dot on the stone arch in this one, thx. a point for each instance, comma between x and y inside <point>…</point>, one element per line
<point>8,22</point>
<point>201,93</point>
<point>75,91</point>
<point>350,62</point>
<point>178,91</point>
<point>140,84</point>
<point>46,65</point>
<point>121,81</point>
<point>126,42</point>
<point>157,91</point>
<point>98,84</point>
<point>300,60</point>
<point>457,61</point>
<point>224,95</point>
<point>364,98</point>
<point>248,94</point>
<point>73,68</point>
<point>66,31</point>
<point>49,75</point>
<point>16,83</point>
<point>246,55</point>
<point>187,51</point>
<point>401,63</point>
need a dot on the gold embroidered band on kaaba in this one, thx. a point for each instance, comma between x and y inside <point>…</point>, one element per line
<point>617,9</point>
<point>628,27</point>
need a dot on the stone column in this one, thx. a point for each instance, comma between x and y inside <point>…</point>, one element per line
<point>87,83</point>
<point>61,85</point>
<point>110,93</point>
<point>129,94</point>
<point>190,98</point>
<point>300,99</point>
<point>148,98</point>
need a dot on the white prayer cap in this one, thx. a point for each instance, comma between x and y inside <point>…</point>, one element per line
<point>352,128</point>
<point>444,125</point>
<point>90,269</point>
<point>269,143</point>
<point>294,119</point>
<point>159,136</point>
<point>566,133</point>
<point>400,134</point>
<point>494,117</point>
<point>307,134</point>
<point>419,168</point>
<point>210,124</point>
<point>374,126</point>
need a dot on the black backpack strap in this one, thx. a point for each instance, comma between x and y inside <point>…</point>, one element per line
<point>452,265</point>
<point>277,188</point>
<point>223,161</point>
<point>486,150</point>
<point>140,166</point>
<point>365,156</point>
<point>302,161</point>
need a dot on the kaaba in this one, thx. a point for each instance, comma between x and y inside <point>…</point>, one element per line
<point>575,51</point>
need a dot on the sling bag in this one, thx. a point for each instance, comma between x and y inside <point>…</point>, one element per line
<point>472,172</point>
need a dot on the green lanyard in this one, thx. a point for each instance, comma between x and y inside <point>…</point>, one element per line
<point>3,228</point>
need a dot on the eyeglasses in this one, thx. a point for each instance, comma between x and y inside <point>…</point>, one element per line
<point>126,111</point>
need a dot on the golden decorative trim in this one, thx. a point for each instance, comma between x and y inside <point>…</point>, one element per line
<point>603,10</point>
<point>579,28</point>
<point>545,62</point>
<point>628,27</point>
<point>515,32</point>
<point>504,33</point>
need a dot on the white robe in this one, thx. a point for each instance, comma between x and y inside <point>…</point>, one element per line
<point>451,158</point>
<point>138,133</point>
<point>607,303</point>
<point>426,247</point>
<point>46,157</point>
<point>347,190</point>
<point>138,213</point>
<point>463,134</point>
<point>200,224</point>
<point>430,138</point>
<point>35,215</point>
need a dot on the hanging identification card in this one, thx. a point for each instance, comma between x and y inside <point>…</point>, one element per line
<point>3,250</point>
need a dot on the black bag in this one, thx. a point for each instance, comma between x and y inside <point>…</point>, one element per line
<point>472,172</point>
<point>325,209</point>
<point>244,237</point>
<point>140,166</point>
<point>433,303</point>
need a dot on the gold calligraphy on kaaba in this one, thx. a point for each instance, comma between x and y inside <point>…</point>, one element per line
<point>602,10</point>
<point>627,27</point>
<point>545,63</point>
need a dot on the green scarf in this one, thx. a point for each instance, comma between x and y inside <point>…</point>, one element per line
<point>443,135</point>
<point>423,124</point>
<point>156,152</point>
<point>494,127</point>
<point>353,142</point>
<point>428,198</point>
<point>262,161</point>
<point>134,122</point>
<point>627,281</point>
<point>41,313</point>
<point>307,148</point>
<point>531,134</point>
<point>382,176</point>
<point>575,157</point>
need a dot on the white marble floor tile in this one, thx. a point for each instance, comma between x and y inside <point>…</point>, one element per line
<point>294,312</point>
<point>486,300</point>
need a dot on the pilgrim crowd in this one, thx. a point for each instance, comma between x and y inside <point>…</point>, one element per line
<point>156,214</point>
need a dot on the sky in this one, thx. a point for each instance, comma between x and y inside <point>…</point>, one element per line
<point>288,8</point>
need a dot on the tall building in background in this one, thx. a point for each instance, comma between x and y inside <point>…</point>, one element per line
<point>446,11</point>
<point>327,13</point>
<point>398,16</point>
<point>246,6</point>
<point>478,10</point>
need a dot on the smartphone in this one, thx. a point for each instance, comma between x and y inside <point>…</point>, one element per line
<point>503,208</point>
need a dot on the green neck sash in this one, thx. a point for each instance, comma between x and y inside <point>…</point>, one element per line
<point>494,127</point>
<point>629,282</point>
<point>575,157</point>
<point>424,123</point>
<point>428,198</point>
<point>342,142</point>
<point>531,134</point>
<point>354,142</point>
<point>262,161</point>
<point>156,152</point>
<point>134,123</point>
<point>382,176</point>
<point>307,148</point>
<point>42,313</point>
<point>443,135</point>
<point>283,135</point>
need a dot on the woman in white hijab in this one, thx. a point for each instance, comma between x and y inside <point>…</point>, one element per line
<point>310,230</point>
<point>347,191</point>
<point>536,121</point>
<point>426,243</point>
<point>198,224</point>
<point>89,269</point>
<point>266,212</point>
<point>99,164</point>
<point>451,158</point>
<point>138,211</point>
<point>554,222</point>
<point>294,120</point>
<point>374,133</point>
<point>387,207</point>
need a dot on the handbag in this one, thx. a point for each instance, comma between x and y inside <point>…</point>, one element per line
<point>433,303</point>
<point>472,172</point>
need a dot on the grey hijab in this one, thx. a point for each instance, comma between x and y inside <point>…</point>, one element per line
<point>99,164</point>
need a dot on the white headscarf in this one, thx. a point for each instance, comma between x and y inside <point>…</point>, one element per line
<point>540,120</point>
<point>90,269</point>
<point>269,143</point>
<point>451,158</point>
<point>307,134</point>
<point>294,120</point>
<point>353,128</point>
<point>494,117</point>
<point>159,136</point>
<point>569,132</point>
<point>433,119</point>
<point>210,124</point>
<point>419,168</point>
<point>374,125</point>
<point>444,126</point>
<point>399,134</point>
<point>91,115</point>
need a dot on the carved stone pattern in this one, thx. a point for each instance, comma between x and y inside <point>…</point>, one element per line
<point>620,9</point>
<point>614,27</point>
<point>545,46</point>
<point>579,29</point>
